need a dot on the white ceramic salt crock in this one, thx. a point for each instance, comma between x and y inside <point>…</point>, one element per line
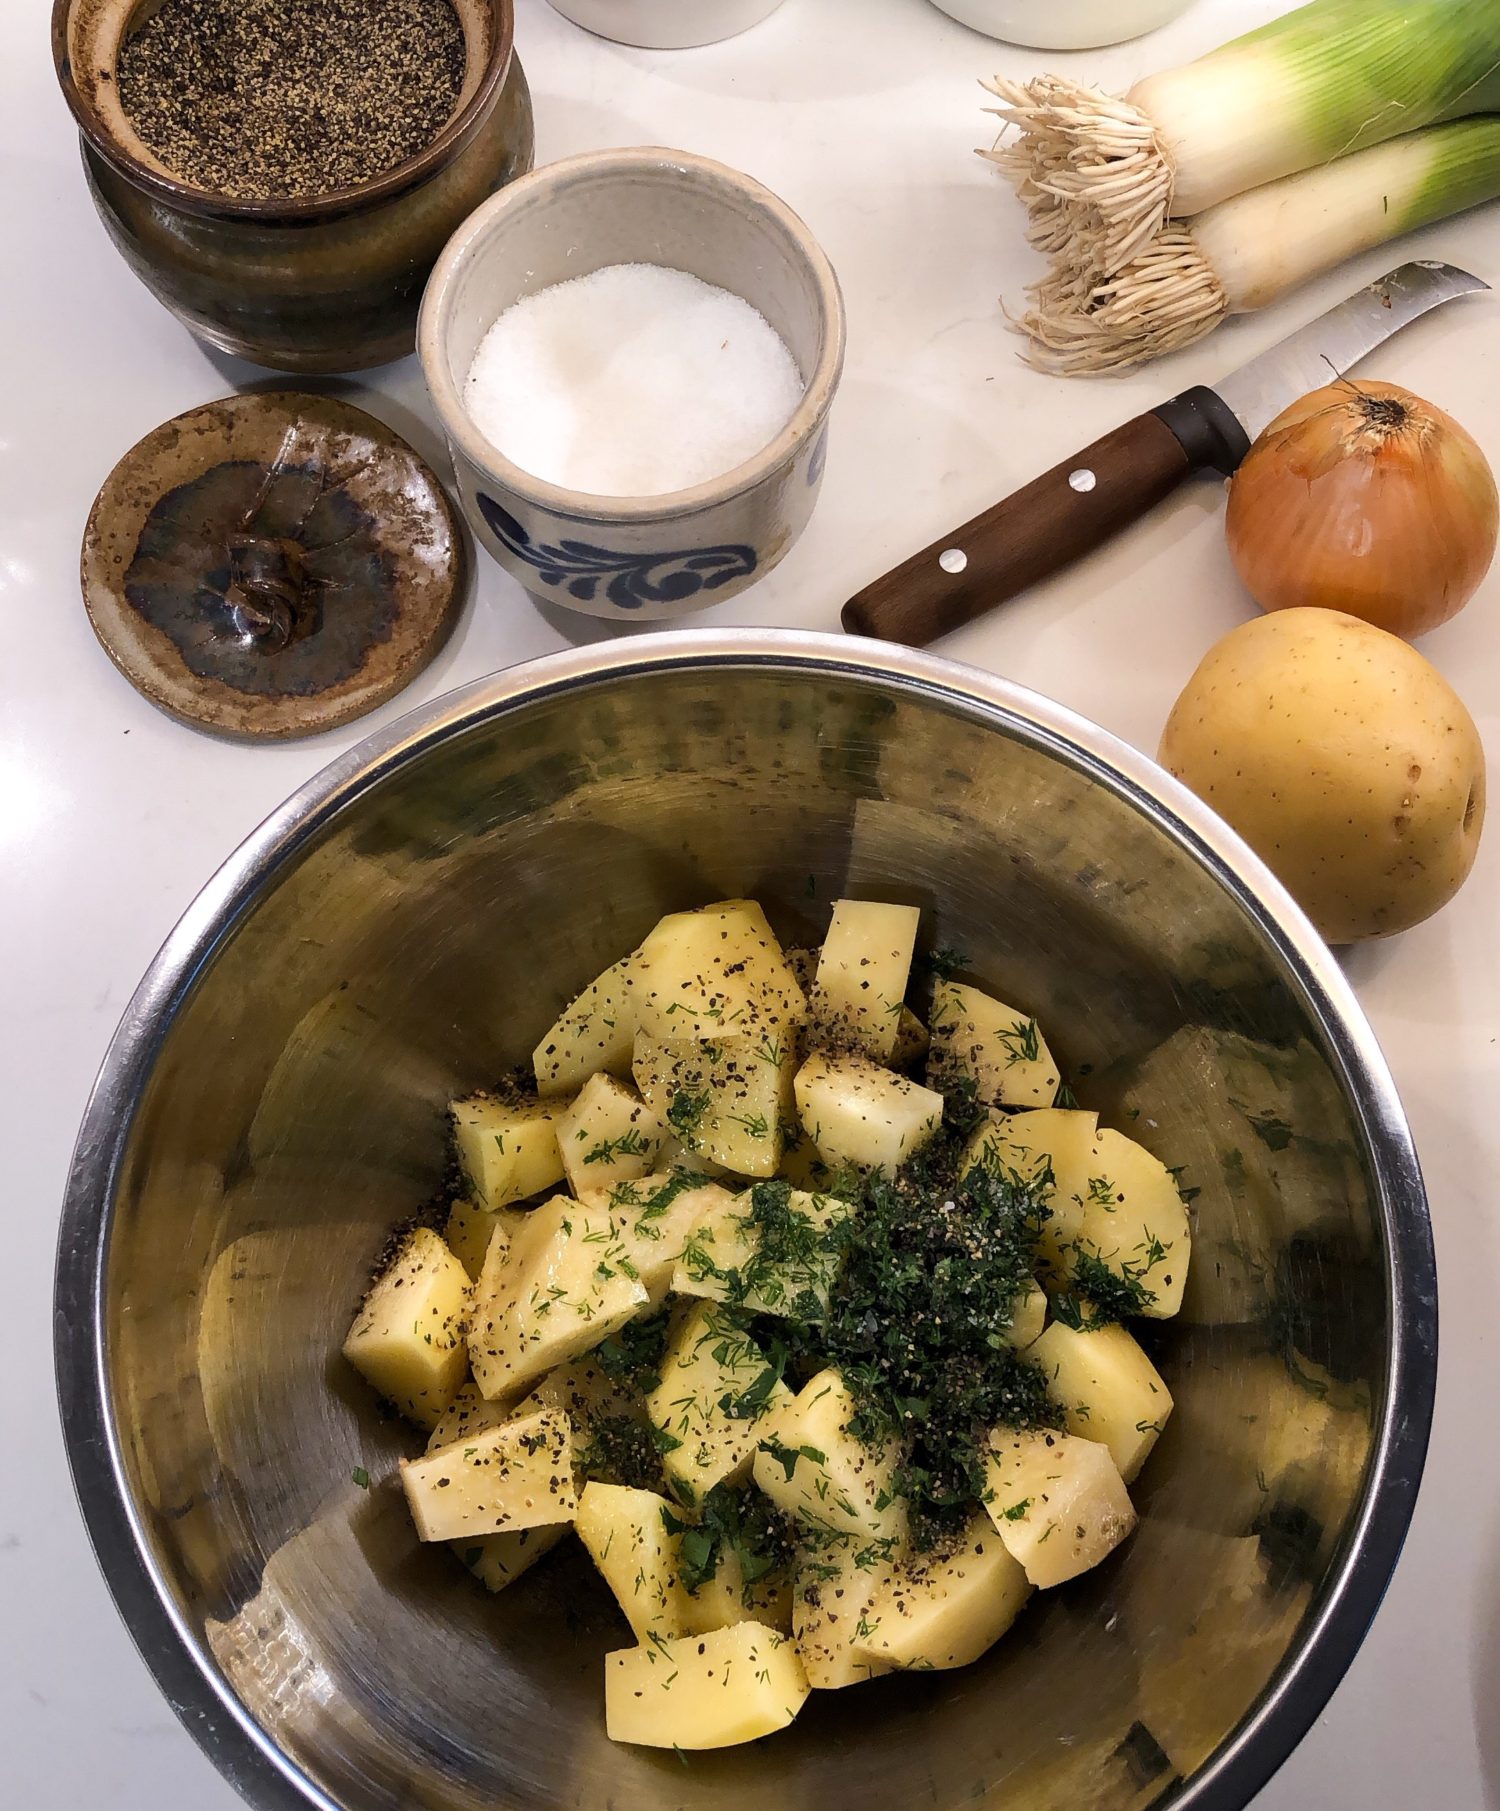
<point>636,558</point>
<point>1060,24</point>
<point>666,24</point>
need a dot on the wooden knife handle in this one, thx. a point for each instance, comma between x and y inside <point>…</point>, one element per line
<point>1052,522</point>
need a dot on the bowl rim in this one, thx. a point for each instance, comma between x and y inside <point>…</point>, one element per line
<point>456,134</point>
<point>1336,1622</point>
<point>648,163</point>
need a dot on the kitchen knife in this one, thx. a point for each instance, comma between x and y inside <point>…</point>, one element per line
<point>1085,501</point>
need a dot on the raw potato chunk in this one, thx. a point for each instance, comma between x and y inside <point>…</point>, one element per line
<point>834,1616</point>
<point>519,1475</point>
<point>704,1691</point>
<point>858,1113</point>
<point>586,1393</point>
<point>723,1097</point>
<point>771,1252</point>
<point>726,1599</point>
<point>710,1357</point>
<point>676,1156</point>
<point>608,1135</point>
<point>717,972</point>
<point>811,1466</point>
<point>1035,1147</point>
<point>863,968</point>
<point>628,1539</point>
<point>1028,1317</point>
<point>488,1300</point>
<point>1110,1198</point>
<point>1107,1389</point>
<point>590,1398</point>
<point>407,1340</point>
<point>1129,1215</point>
<point>979,1039</point>
<point>945,1609</point>
<point>498,1560</point>
<point>468,1415</point>
<point>1059,1503</point>
<point>566,1284</point>
<point>1023,1144</point>
<point>508,1149</point>
<point>654,1220</point>
<point>597,1032</point>
<point>800,1163</point>
<point>912,1041</point>
<point>469,1227</point>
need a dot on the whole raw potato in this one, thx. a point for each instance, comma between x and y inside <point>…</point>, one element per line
<point>1343,758</point>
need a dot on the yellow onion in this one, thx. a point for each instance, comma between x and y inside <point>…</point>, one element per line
<point>1363,498</point>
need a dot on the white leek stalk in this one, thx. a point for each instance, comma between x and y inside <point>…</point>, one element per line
<point>1250,250</point>
<point>1101,175</point>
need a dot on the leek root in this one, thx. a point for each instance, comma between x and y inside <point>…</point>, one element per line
<point>1251,250</point>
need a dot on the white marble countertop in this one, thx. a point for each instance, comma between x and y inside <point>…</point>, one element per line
<point>864,115</point>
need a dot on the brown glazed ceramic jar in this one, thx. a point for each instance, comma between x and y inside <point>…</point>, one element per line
<point>330,283</point>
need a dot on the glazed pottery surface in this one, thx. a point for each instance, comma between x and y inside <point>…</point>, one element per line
<point>328,284</point>
<point>636,558</point>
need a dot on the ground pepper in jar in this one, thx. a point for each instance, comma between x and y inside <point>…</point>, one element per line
<point>288,99</point>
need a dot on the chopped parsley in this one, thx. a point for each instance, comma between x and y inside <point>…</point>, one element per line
<point>741,1521</point>
<point>632,1357</point>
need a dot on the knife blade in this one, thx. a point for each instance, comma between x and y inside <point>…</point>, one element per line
<point>1088,499</point>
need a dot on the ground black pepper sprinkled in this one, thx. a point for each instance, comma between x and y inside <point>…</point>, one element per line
<point>263,99</point>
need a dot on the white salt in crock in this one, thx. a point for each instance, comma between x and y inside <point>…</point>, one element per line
<point>636,558</point>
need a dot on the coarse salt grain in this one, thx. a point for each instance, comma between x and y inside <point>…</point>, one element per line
<point>632,381</point>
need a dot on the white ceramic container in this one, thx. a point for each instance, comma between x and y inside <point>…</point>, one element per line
<point>1057,24</point>
<point>636,558</point>
<point>666,24</point>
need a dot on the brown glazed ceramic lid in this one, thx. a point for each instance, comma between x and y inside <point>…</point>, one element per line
<point>271,565</point>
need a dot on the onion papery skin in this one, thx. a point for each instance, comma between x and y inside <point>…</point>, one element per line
<point>1362,497</point>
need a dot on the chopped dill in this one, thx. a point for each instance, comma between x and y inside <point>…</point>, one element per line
<point>943,964</point>
<point>686,1112</point>
<point>920,1317</point>
<point>628,1144</point>
<point>1098,1296</point>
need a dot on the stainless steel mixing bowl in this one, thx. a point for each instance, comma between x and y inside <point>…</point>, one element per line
<point>404,927</point>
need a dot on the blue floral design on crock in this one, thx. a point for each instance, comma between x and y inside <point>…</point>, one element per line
<point>633,579</point>
<point>818,461</point>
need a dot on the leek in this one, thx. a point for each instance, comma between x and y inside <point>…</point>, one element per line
<point>1101,176</point>
<point>1250,250</point>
